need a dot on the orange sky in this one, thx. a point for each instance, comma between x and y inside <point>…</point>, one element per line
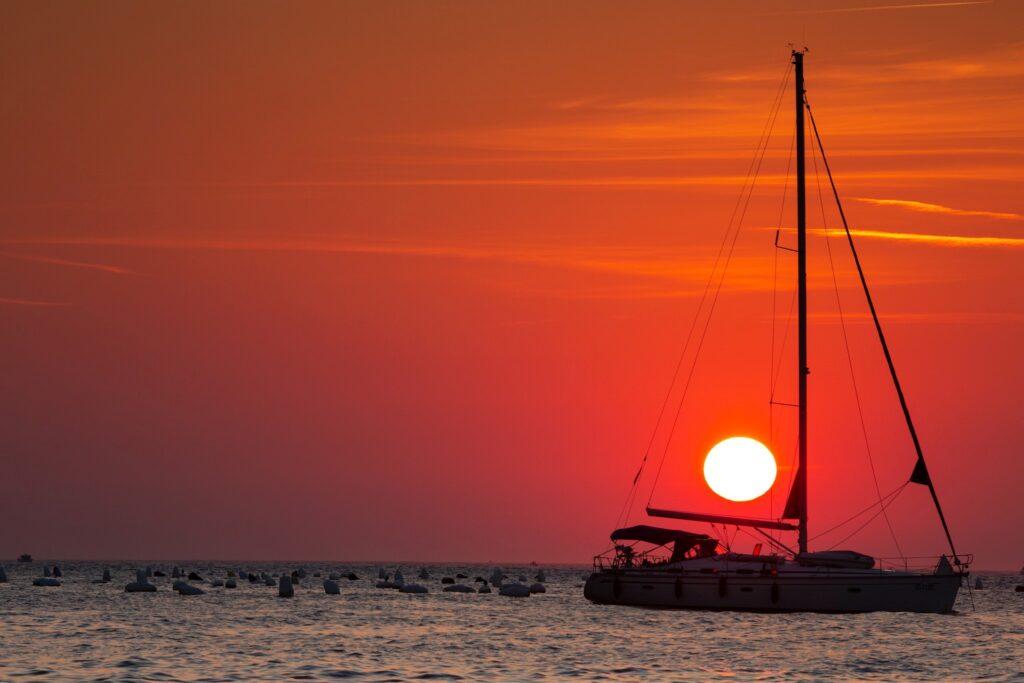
<point>409,280</point>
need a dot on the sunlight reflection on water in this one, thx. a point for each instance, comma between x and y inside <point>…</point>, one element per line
<point>86,631</point>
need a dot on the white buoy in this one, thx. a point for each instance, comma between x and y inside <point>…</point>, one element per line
<point>284,588</point>
<point>458,588</point>
<point>514,590</point>
<point>412,588</point>
<point>538,588</point>
<point>140,585</point>
<point>332,587</point>
<point>46,581</point>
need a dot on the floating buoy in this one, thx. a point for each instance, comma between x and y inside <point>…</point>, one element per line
<point>47,571</point>
<point>3,575</point>
<point>140,585</point>
<point>57,571</point>
<point>978,585</point>
<point>232,574</point>
<point>484,589</point>
<point>353,577</point>
<point>514,590</point>
<point>231,583</point>
<point>46,581</point>
<point>479,579</point>
<point>381,574</point>
<point>412,588</point>
<point>447,579</point>
<point>269,581</point>
<point>334,576</point>
<point>461,576</point>
<point>301,573</point>
<point>424,574</point>
<point>1019,589</point>
<point>106,574</point>
<point>538,588</point>
<point>186,588</point>
<point>192,576</point>
<point>332,587</point>
<point>175,573</point>
<point>521,579</point>
<point>284,588</point>
<point>159,573</point>
<point>497,577</point>
<point>458,588</point>
<point>216,583</point>
<point>541,577</point>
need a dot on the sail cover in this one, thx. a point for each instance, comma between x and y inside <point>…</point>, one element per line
<point>657,535</point>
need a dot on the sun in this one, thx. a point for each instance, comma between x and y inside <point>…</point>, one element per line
<point>740,469</point>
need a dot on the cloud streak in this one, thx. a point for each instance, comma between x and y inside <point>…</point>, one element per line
<point>8,301</point>
<point>925,238</point>
<point>937,208</point>
<point>32,258</point>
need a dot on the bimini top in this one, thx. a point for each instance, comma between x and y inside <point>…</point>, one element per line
<point>658,535</point>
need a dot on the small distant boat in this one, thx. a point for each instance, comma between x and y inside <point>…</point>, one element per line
<point>24,558</point>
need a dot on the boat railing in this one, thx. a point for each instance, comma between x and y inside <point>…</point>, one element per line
<point>923,563</point>
<point>617,559</point>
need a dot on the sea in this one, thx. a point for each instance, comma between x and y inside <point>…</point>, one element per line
<point>84,631</point>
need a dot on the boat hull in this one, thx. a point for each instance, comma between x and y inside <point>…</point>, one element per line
<point>803,592</point>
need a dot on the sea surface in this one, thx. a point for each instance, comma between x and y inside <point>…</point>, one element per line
<point>82,631</point>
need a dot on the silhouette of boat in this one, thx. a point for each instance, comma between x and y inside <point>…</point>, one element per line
<point>25,558</point>
<point>686,570</point>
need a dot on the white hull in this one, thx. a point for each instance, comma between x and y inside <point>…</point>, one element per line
<point>811,590</point>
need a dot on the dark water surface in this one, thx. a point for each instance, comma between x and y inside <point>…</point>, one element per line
<point>83,631</point>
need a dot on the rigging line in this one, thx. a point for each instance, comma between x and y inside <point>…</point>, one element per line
<point>873,518</point>
<point>885,347</point>
<point>849,354</point>
<point>714,299</point>
<point>752,170</point>
<point>775,293</point>
<point>866,510</point>
<point>763,139</point>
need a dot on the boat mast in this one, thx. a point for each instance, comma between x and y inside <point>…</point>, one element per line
<point>801,226</point>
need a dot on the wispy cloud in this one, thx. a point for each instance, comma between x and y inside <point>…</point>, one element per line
<point>33,258</point>
<point>937,208</point>
<point>655,264</point>
<point>937,240</point>
<point>952,317</point>
<point>880,8</point>
<point>8,301</point>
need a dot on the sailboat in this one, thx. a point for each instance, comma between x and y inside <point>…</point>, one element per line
<point>689,570</point>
